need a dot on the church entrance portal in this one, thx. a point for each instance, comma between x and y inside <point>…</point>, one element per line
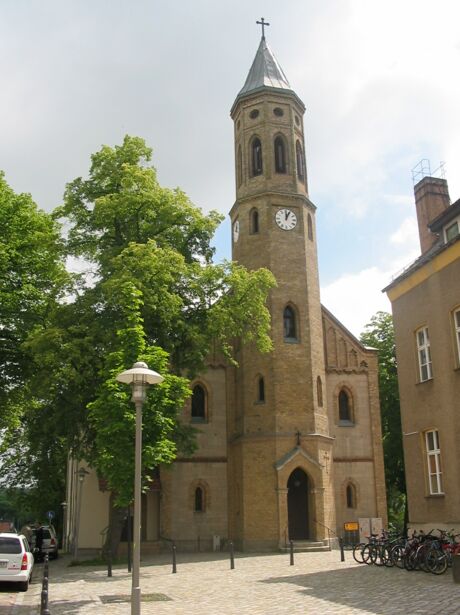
<point>297,500</point>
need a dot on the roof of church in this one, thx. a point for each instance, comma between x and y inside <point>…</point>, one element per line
<point>264,73</point>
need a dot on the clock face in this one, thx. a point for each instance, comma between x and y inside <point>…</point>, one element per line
<point>236,230</point>
<point>286,219</point>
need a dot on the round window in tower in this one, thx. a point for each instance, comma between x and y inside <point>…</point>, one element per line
<point>278,111</point>
<point>254,113</point>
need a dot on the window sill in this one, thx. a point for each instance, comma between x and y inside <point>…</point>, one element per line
<point>199,420</point>
<point>425,381</point>
<point>259,403</point>
<point>291,340</point>
<point>435,496</point>
<point>346,424</point>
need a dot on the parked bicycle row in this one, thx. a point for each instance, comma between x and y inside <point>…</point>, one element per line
<point>432,552</point>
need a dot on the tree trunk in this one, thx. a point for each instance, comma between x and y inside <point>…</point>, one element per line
<point>117,518</point>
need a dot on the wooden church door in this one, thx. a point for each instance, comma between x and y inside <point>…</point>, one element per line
<point>297,500</point>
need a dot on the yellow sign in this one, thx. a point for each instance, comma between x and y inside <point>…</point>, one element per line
<point>352,526</point>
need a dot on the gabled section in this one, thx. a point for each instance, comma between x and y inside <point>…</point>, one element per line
<point>297,451</point>
<point>343,351</point>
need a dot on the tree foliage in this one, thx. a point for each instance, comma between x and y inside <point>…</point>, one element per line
<point>379,334</point>
<point>149,292</point>
<point>32,279</point>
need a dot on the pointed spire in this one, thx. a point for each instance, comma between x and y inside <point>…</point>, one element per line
<point>265,72</point>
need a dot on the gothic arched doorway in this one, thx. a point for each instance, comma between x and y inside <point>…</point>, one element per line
<point>297,500</point>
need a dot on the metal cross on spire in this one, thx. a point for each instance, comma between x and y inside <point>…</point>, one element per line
<point>263,23</point>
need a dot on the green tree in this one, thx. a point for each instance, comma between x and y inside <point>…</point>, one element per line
<point>32,280</point>
<point>150,292</point>
<point>379,334</point>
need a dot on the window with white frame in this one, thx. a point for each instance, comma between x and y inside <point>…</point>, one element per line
<point>457,331</point>
<point>424,354</point>
<point>433,453</point>
<point>451,230</point>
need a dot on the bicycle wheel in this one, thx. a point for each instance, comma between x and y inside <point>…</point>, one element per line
<point>380,558</point>
<point>397,555</point>
<point>420,557</point>
<point>387,556</point>
<point>436,561</point>
<point>358,552</point>
<point>369,554</point>
<point>408,560</point>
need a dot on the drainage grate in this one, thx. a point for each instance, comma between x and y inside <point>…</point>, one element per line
<point>118,598</point>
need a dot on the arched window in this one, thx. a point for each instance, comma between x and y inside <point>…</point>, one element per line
<point>198,404</point>
<point>199,500</point>
<point>345,413</point>
<point>310,227</point>
<point>261,389</point>
<point>351,495</point>
<point>280,155</point>
<point>254,221</point>
<point>256,156</point>
<point>300,161</point>
<point>290,329</point>
<point>240,167</point>
<point>319,391</point>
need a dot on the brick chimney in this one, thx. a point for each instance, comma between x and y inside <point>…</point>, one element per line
<point>431,199</point>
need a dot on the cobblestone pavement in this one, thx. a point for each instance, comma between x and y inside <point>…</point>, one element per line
<point>259,584</point>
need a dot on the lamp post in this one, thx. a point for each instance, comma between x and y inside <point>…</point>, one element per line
<point>64,525</point>
<point>139,377</point>
<point>81,477</point>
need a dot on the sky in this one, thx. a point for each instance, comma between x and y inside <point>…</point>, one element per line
<point>379,81</point>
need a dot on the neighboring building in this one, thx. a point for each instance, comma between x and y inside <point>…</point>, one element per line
<point>290,442</point>
<point>426,311</point>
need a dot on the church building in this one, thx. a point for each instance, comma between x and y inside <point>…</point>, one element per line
<point>289,442</point>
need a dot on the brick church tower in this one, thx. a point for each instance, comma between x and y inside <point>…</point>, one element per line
<point>288,443</point>
<point>280,483</point>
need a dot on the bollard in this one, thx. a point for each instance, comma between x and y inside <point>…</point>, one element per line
<point>232,556</point>
<point>342,552</point>
<point>44,603</point>
<point>291,549</point>
<point>109,563</point>
<point>44,593</point>
<point>174,559</point>
<point>456,568</point>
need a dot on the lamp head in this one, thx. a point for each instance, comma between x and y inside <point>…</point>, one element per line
<point>139,377</point>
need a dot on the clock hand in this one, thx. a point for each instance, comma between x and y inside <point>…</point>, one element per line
<point>286,215</point>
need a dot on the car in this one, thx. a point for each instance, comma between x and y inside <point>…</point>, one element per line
<point>16,560</point>
<point>49,541</point>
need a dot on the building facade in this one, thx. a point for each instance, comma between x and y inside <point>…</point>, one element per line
<point>426,310</point>
<point>289,443</point>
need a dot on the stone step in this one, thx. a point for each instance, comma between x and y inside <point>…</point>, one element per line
<point>307,546</point>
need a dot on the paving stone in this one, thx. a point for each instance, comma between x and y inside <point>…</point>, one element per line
<point>259,585</point>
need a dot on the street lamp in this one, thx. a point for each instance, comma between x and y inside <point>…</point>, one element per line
<point>139,377</point>
<point>64,525</point>
<point>81,477</point>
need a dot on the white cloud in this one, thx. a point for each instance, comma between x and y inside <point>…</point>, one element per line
<point>355,298</point>
<point>406,234</point>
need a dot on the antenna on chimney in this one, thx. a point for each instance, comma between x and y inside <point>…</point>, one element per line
<point>423,169</point>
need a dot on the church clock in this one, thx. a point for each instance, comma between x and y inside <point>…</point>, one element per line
<point>286,219</point>
<point>236,230</point>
